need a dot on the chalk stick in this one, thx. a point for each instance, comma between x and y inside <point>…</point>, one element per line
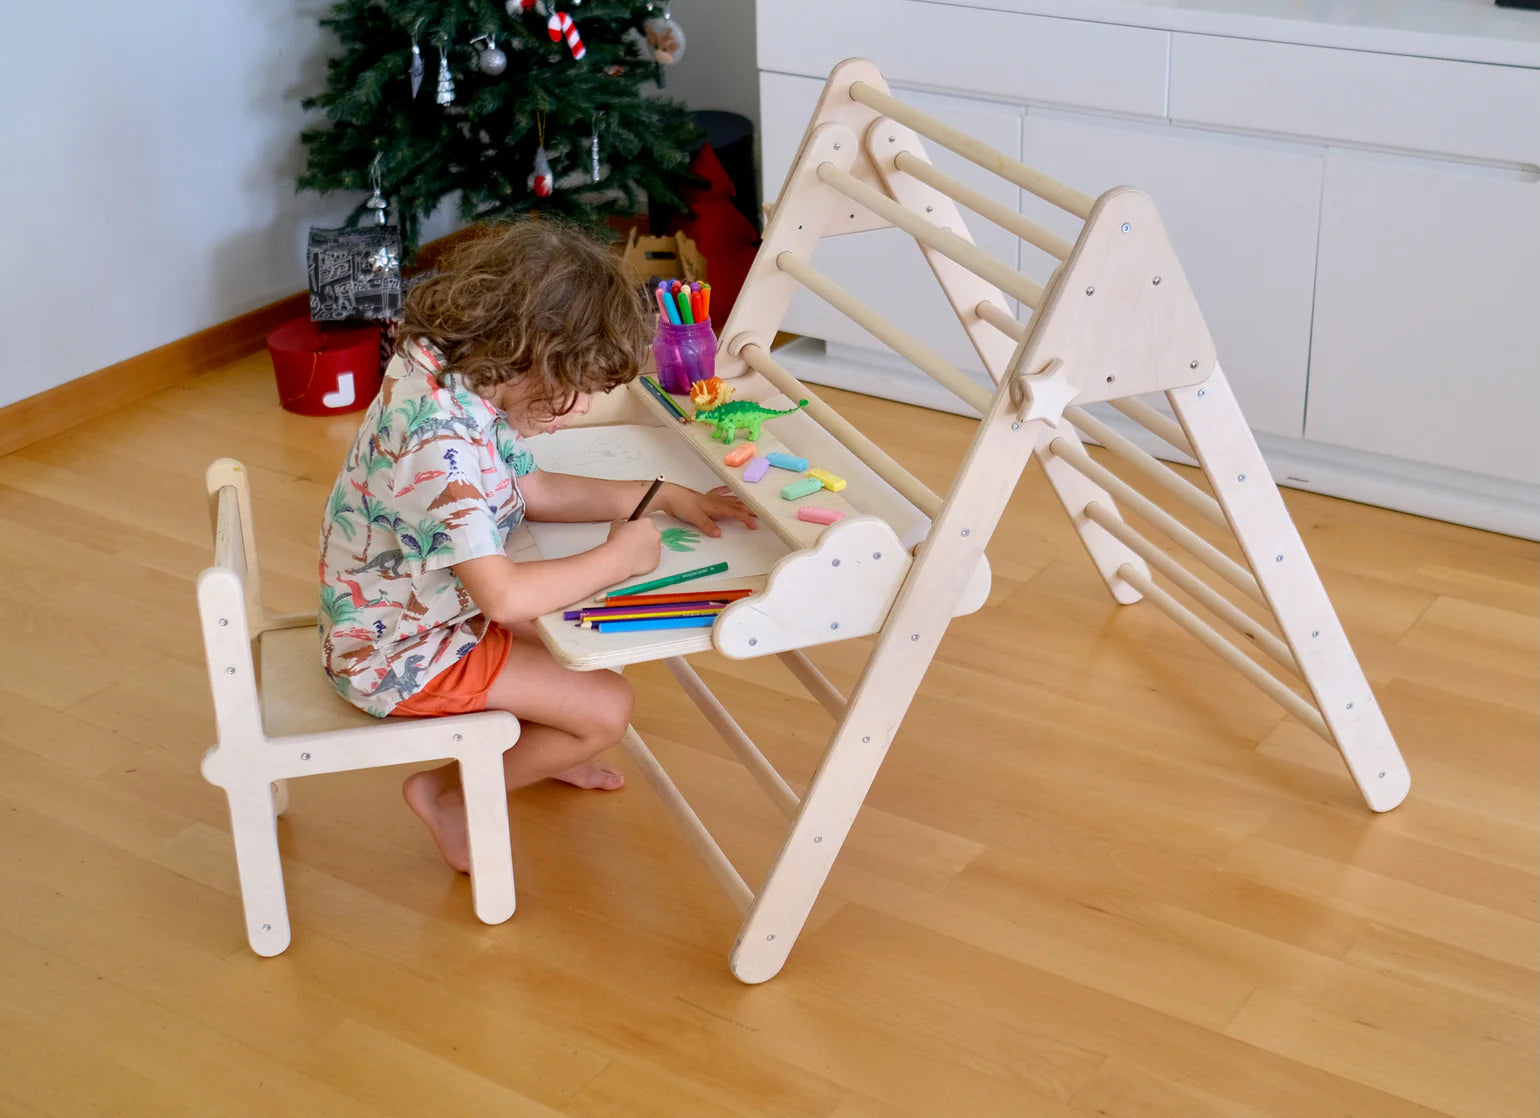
<point>815,515</point>
<point>802,487</point>
<point>740,454</point>
<point>786,461</point>
<point>830,482</point>
<point>756,469</point>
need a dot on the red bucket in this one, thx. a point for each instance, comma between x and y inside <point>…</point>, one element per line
<point>322,370</point>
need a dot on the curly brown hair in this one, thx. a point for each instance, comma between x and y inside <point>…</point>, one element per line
<point>533,299</point>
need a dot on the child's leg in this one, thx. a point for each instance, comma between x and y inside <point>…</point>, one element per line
<point>567,719</point>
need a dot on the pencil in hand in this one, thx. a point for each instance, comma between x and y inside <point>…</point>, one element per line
<point>641,505</point>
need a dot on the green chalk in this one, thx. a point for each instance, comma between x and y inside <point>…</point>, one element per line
<point>801,488</point>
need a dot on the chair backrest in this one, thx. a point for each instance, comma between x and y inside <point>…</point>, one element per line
<point>224,595</point>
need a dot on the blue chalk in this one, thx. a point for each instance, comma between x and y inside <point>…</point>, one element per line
<point>786,461</point>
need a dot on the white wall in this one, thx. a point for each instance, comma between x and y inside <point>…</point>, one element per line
<point>150,152</point>
<point>718,70</point>
<point>149,157</point>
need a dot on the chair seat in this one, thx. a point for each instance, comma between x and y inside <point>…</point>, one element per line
<point>297,697</point>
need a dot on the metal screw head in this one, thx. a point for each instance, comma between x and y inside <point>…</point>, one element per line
<point>836,147</point>
<point>1192,364</point>
<point>1382,776</point>
<point>223,621</point>
<point>892,138</point>
<point>457,737</point>
<point>965,531</point>
<point>1240,477</point>
<point>1091,290</point>
<point>914,636</point>
<point>817,838</point>
<point>269,927</point>
<point>866,740</point>
<point>753,641</point>
<point>1156,281</point>
<point>1277,558</point>
<point>1350,706</point>
<point>876,555</point>
<point>1202,393</point>
<point>1015,426</point>
<point>229,671</point>
<point>1126,227</point>
<point>1315,632</point>
<point>834,624</point>
<point>770,937</point>
<point>304,756</point>
<point>928,209</point>
<point>836,562</point>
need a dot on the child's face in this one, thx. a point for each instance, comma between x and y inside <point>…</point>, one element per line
<point>529,418</point>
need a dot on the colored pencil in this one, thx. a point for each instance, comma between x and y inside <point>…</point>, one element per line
<point>675,599</point>
<point>584,613</point>
<point>660,623</point>
<point>646,498</point>
<point>670,580</point>
<point>665,399</point>
<point>590,622</point>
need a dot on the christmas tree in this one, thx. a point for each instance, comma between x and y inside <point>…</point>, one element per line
<point>429,98</point>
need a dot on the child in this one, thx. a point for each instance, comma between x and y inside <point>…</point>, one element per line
<point>422,613</point>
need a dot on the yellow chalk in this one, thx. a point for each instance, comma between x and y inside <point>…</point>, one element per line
<point>830,482</point>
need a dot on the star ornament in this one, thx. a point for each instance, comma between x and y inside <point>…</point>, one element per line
<point>1046,394</point>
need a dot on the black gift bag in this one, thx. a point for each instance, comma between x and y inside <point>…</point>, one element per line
<point>355,273</point>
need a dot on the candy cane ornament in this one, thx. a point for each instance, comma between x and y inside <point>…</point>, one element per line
<point>561,24</point>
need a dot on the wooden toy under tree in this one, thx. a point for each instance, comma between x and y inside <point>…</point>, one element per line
<point>1117,319</point>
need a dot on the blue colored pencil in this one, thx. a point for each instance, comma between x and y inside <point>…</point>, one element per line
<point>704,622</point>
<point>665,399</point>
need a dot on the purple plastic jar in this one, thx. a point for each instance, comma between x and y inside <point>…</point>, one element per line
<point>684,354</point>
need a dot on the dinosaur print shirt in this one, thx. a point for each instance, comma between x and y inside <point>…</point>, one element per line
<point>430,481</point>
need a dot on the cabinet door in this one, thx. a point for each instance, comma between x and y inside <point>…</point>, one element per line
<point>884,267</point>
<point>1426,308</point>
<point>1242,214</point>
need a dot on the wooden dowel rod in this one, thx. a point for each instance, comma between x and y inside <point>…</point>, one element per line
<point>1147,464</point>
<point>817,684</point>
<point>684,814</point>
<point>1194,586</point>
<point>1029,179</point>
<point>921,355</point>
<point>229,546</point>
<point>912,488</point>
<point>1169,430</point>
<point>1001,319</point>
<point>949,244</point>
<point>1216,643</point>
<point>732,734</point>
<point>1216,560</point>
<point>985,207</point>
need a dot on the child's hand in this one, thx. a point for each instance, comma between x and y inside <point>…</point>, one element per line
<point>638,543</point>
<point>702,510</point>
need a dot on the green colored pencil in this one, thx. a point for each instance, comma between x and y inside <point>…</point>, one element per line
<point>686,576</point>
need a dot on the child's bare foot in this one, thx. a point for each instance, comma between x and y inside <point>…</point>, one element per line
<point>593,774</point>
<point>441,806</point>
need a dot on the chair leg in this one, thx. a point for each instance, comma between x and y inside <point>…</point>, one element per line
<point>486,817</point>
<point>254,826</point>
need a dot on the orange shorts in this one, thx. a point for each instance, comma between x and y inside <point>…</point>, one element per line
<point>462,687</point>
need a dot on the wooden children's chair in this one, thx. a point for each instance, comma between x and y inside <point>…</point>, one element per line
<point>286,721</point>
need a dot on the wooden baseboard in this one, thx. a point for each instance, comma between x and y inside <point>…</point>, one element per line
<point>106,390</point>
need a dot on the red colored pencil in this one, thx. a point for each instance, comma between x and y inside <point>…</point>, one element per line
<point>673,599</point>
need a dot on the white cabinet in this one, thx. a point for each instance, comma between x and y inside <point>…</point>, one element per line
<point>885,267</point>
<point>1427,303</point>
<point>1242,215</point>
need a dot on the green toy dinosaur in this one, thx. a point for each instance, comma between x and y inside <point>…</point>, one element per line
<point>739,415</point>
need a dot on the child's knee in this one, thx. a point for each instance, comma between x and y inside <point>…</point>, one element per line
<point>611,706</point>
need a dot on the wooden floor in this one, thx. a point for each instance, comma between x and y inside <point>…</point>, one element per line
<point>1099,874</point>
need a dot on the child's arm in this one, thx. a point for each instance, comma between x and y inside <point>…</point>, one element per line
<point>570,499</point>
<point>509,592</point>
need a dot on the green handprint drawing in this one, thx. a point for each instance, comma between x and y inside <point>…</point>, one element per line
<point>680,539</point>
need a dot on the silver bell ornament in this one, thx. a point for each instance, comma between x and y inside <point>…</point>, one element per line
<point>446,81</point>
<point>376,203</point>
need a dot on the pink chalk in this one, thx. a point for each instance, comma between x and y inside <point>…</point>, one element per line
<point>756,470</point>
<point>815,515</point>
<point>738,455</point>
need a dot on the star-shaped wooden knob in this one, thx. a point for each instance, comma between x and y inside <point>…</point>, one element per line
<point>1044,395</point>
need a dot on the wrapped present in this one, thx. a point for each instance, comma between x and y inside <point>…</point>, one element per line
<point>355,273</point>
